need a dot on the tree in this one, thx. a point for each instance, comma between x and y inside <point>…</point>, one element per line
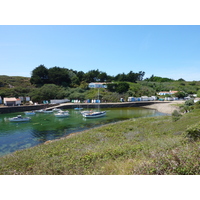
<point>102,76</point>
<point>47,92</point>
<point>181,79</point>
<point>122,87</point>
<point>180,95</point>
<point>59,76</point>
<point>80,75</point>
<point>111,87</point>
<point>39,76</point>
<point>91,76</point>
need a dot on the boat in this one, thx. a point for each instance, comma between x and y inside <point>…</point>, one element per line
<point>29,113</point>
<point>94,114</point>
<point>86,111</point>
<point>47,111</point>
<point>62,114</point>
<point>56,110</point>
<point>19,118</point>
<point>39,111</point>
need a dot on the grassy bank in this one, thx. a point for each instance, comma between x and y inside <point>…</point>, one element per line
<point>155,145</point>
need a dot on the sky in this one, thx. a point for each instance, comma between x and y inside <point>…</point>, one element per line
<point>171,51</point>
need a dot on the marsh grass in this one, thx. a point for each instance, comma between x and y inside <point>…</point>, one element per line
<point>155,145</point>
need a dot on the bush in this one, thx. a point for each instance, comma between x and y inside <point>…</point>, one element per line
<point>193,132</point>
<point>189,102</point>
<point>176,115</point>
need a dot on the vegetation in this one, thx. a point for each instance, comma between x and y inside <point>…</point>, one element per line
<point>56,82</point>
<point>155,145</point>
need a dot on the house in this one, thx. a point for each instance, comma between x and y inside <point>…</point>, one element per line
<point>11,101</point>
<point>27,98</point>
<point>22,98</point>
<point>167,92</point>
<point>97,85</point>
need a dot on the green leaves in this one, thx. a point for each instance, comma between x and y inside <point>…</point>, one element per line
<point>193,132</point>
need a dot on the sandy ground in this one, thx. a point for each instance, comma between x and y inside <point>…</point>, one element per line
<point>167,107</point>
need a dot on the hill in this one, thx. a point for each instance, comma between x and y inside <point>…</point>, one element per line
<point>14,81</point>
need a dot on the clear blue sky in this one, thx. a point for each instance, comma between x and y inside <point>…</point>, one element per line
<point>166,51</point>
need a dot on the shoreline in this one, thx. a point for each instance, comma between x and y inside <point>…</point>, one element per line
<point>167,108</point>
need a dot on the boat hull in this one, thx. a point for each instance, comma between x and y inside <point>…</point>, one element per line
<point>19,119</point>
<point>95,114</point>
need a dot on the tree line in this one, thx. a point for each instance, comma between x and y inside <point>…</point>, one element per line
<point>72,78</point>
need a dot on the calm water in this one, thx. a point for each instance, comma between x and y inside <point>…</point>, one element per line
<point>42,127</point>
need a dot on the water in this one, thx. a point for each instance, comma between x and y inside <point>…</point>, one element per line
<point>42,127</point>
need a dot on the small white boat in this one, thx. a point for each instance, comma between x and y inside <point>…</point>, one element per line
<point>62,114</point>
<point>39,111</point>
<point>56,110</point>
<point>19,118</point>
<point>47,111</point>
<point>29,113</point>
<point>94,114</point>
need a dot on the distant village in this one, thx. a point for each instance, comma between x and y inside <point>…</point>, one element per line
<point>27,100</point>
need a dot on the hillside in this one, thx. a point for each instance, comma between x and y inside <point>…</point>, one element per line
<point>14,81</point>
<point>15,86</point>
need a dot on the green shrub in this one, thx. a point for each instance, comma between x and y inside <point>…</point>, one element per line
<point>176,115</point>
<point>189,102</point>
<point>193,132</point>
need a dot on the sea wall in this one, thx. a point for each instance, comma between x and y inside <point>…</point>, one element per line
<point>107,105</point>
<point>13,109</point>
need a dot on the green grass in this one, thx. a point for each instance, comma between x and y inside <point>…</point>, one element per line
<point>154,145</point>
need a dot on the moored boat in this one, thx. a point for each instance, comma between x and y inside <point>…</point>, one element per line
<point>94,114</point>
<point>47,111</point>
<point>39,111</point>
<point>29,113</point>
<point>56,110</point>
<point>62,114</point>
<point>19,118</point>
<point>86,111</point>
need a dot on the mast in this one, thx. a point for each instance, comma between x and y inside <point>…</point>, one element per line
<point>98,100</point>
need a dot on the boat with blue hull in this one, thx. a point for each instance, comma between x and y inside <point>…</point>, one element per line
<point>94,114</point>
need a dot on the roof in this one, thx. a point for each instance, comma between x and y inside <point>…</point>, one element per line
<point>10,99</point>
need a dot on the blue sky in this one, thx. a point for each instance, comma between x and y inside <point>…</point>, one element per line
<point>171,51</point>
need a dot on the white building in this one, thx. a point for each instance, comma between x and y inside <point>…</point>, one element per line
<point>167,92</point>
<point>11,101</point>
<point>97,85</point>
